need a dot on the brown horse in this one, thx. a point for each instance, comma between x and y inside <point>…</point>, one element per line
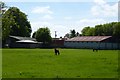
<point>56,51</point>
<point>95,50</point>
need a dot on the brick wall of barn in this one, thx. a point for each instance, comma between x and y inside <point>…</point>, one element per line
<point>57,43</point>
<point>91,45</point>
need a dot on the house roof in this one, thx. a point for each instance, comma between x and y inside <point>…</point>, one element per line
<point>27,41</point>
<point>89,38</point>
<point>23,38</point>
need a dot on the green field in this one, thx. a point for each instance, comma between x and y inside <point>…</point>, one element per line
<point>72,63</point>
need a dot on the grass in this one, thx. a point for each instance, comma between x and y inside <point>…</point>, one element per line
<point>72,63</point>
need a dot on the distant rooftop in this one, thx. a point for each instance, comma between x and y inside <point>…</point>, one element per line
<point>89,38</point>
<point>23,38</point>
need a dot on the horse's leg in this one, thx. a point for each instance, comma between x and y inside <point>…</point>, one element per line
<point>58,52</point>
<point>55,52</point>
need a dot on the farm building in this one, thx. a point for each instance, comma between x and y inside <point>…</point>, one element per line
<point>58,42</point>
<point>92,42</point>
<point>22,42</point>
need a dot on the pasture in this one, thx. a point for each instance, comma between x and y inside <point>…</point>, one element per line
<point>71,63</point>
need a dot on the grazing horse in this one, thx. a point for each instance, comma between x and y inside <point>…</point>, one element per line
<point>56,51</point>
<point>95,50</point>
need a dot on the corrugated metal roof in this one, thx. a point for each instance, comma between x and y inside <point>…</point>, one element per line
<point>27,41</point>
<point>23,38</point>
<point>89,38</point>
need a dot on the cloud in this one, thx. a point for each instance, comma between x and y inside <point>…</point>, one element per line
<point>100,2</point>
<point>67,18</point>
<point>102,8</point>
<point>42,10</point>
<point>37,24</point>
<point>90,22</point>
<point>47,17</point>
<point>61,29</point>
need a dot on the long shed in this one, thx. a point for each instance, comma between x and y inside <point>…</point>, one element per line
<point>92,42</point>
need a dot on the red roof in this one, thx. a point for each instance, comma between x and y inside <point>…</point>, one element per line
<point>89,38</point>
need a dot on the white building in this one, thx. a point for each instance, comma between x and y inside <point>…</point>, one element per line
<point>22,42</point>
<point>92,42</point>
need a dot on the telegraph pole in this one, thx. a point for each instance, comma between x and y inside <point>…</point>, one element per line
<point>55,37</point>
<point>55,34</point>
<point>3,8</point>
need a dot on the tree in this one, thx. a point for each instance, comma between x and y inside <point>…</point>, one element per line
<point>90,32</point>
<point>98,30</point>
<point>108,28</point>
<point>72,33</point>
<point>67,35</point>
<point>77,34</point>
<point>34,34</point>
<point>85,30</point>
<point>43,35</point>
<point>116,30</point>
<point>15,22</point>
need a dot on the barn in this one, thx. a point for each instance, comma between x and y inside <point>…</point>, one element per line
<point>22,42</point>
<point>58,42</point>
<point>92,42</point>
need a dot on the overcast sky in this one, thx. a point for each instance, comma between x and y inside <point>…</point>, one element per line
<point>63,16</point>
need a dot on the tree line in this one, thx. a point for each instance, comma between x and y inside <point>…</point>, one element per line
<point>108,29</point>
